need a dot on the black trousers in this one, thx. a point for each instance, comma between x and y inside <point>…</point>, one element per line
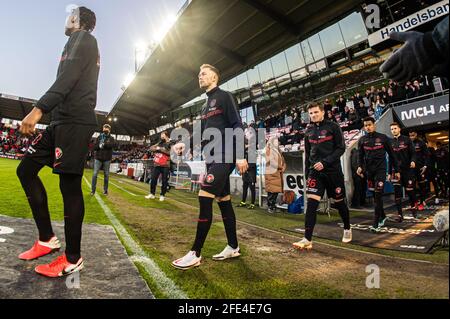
<point>272,200</point>
<point>156,172</point>
<point>359,193</point>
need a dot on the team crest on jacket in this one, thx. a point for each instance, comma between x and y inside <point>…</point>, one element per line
<point>324,132</point>
<point>58,153</point>
<point>338,190</point>
<point>213,103</point>
<point>210,178</point>
<point>378,140</point>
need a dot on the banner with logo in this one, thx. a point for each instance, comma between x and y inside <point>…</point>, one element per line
<point>433,12</point>
<point>423,112</point>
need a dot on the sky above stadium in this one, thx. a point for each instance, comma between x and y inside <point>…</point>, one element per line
<point>32,39</point>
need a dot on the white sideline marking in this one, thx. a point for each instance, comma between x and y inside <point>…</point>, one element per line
<point>119,187</point>
<point>164,283</point>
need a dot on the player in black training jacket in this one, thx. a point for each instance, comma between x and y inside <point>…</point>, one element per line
<point>219,113</point>
<point>63,146</point>
<point>422,164</point>
<point>324,146</point>
<point>406,158</point>
<point>373,148</point>
<point>442,168</point>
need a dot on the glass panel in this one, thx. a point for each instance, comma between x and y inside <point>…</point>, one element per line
<point>316,47</point>
<point>307,52</point>
<point>279,64</point>
<point>253,76</point>
<point>265,70</point>
<point>295,58</point>
<point>332,40</point>
<point>353,29</point>
<point>232,85</point>
<point>242,81</point>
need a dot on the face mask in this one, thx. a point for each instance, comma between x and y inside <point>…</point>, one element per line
<point>73,21</point>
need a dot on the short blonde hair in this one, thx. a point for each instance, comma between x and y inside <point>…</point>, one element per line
<point>212,68</point>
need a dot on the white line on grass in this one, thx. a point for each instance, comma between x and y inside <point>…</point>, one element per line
<point>120,187</point>
<point>165,284</point>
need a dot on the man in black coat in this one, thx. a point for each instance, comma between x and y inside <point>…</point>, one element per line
<point>103,154</point>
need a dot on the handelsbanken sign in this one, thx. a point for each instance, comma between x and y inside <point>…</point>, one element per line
<point>433,12</point>
<point>424,112</point>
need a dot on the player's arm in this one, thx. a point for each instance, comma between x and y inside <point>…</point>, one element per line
<point>307,161</point>
<point>234,119</point>
<point>79,50</point>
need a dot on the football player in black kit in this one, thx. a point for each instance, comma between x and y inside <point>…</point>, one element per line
<point>324,146</point>
<point>442,168</point>
<point>220,113</point>
<point>422,156</point>
<point>373,148</point>
<point>63,145</point>
<point>405,153</point>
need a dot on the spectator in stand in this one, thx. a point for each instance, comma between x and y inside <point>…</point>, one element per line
<point>296,122</point>
<point>361,110</point>
<point>379,107</point>
<point>341,104</point>
<point>345,113</point>
<point>357,98</point>
<point>330,116</point>
<point>327,106</point>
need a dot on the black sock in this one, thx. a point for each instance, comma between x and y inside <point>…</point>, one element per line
<point>244,192</point>
<point>344,213</point>
<point>310,218</point>
<point>70,186</point>
<point>378,197</point>
<point>229,221</point>
<point>398,198</point>
<point>253,192</point>
<point>27,171</point>
<point>204,223</point>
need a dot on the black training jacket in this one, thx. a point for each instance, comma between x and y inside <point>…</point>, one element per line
<point>372,153</point>
<point>324,142</point>
<point>220,112</point>
<point>104,147</point>
<point>442,158</point>
<point>73,96</point>
<point>422,153</point>
<point>404,152</point>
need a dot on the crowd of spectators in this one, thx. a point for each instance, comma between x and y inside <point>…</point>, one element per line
<point>11,142</point>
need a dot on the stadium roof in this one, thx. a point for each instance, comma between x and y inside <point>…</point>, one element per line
<point>231,35</point>
<point>16,108</point>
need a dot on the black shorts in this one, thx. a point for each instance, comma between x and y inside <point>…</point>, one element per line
<point>376,181</point>
<point>63,148</point>
<point>217,179</point>
<point>407,180</point>
<point>332,182</point>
